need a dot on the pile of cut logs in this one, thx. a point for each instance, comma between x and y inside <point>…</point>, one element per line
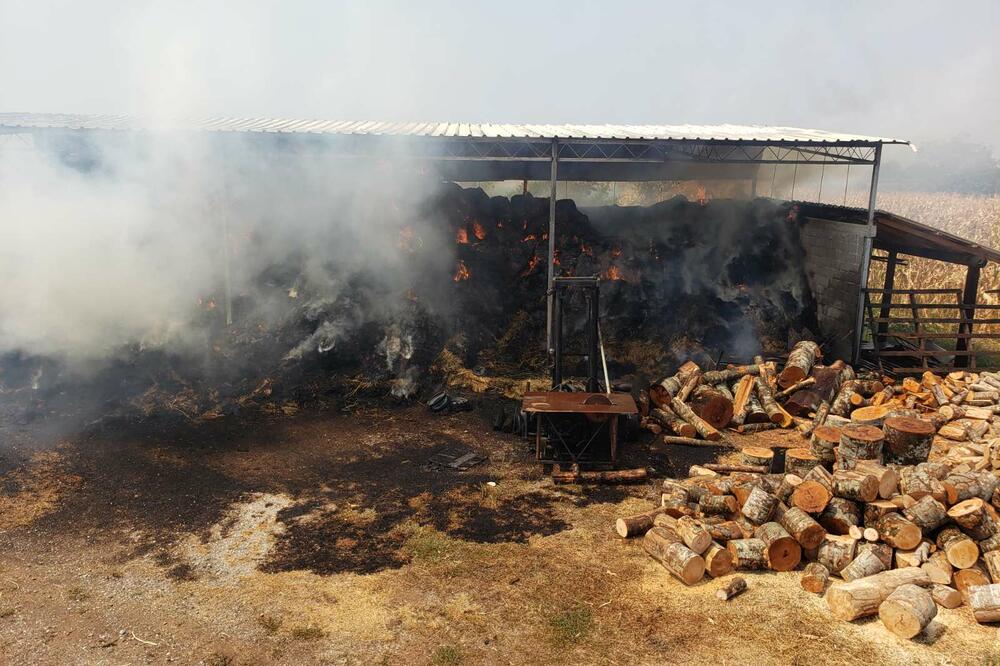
<point>896,493</point>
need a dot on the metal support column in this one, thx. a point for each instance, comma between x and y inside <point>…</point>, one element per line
<point>866,257</point>
<point>552,243</point>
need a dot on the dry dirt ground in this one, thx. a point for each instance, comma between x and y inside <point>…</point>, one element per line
<point>324,538</point>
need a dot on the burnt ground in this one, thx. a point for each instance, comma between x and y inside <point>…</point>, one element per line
<point>325,537</point>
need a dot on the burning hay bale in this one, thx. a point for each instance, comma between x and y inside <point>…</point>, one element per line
<point>896,495</point>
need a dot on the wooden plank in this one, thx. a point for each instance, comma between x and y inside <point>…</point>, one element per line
<point>939,306</point>
<point>928,352</point>
<point>938,369</point>
<point>945,336</point>
<point>879,290</point>
<point>935,320</point>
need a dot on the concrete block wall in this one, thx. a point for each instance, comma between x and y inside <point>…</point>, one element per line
<point>833,269</point>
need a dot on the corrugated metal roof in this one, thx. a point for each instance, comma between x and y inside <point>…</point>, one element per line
<point>709,133</point>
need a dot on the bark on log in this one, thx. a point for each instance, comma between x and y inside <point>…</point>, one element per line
<point>861,442</point>
<point>718,504</point>
<point>608,476</point>
<point>917,483</point>
<point>882,551</point>
<point>711,406</point>
<point>675,503</point>
<point>803,528</point>
<point>862,597</point>
<point>898,532</point>
<point>864,564</point>
<point>751,428</point>
<point>991,561</point>
<point>839,515</point>
<point>689,385</point>
<point>822,414</point>
<point>663,391</point>
<point>841,405</point>
<point>928,514</point>
<point>729,374</point>
<point>907,440</point>
<point>731,589</point>
<point>637,525</point>
<point>666,418</point>
<point>671,440</point>
<point>855,486</point>
<point>704,429</point>
<point>975,518</point>
<point>748,553</point>
<point>748,469</point>
<point>887,477</point>
<point>759,506</point>
<point>825,439</point>
<point>815,578</point>
<point>938,568</point>
<point>718,560</point>
<point>965,486</point>
<point>797,386</point>
<point>678,559</point>
<point>726,531</point>
<point>907,610</point>
<point>990,544</point>
<point>945,596</point>
<point>974,575</point>
<point>767,401</point>
<point>985,602</point>
<point>757,456</point>
<point>822,390</point>
<point>800,461</point>
<point>690,531</point>
<point>960,550</point>
<point>800,362</point>
<point>836,552</point>
<point>783,552</point>
<point>789,482</point>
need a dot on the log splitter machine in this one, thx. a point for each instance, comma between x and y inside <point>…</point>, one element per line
<point>578,427</point>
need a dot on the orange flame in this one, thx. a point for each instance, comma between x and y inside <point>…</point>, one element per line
<point>532,264</point>
<point>585,249</point>
<point>616,252</point>
<point>462,273</point>
<point>462,236</point>
<point>613,273</point>
<point>700,195</point>
<point>479,231</point>
<point>406,238</point>
<point>529,238</point>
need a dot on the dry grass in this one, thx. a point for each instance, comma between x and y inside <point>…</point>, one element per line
<point>35,490</point>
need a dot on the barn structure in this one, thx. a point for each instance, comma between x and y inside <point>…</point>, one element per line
<point>839,241</point>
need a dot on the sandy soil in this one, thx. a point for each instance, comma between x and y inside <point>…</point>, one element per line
<point>325,538</point>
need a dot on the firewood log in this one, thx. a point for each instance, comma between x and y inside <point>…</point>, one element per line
<point>855,486</point>
<point>694,536</point>
<point>841,404</point>
<point>606,476</point>
<point>917,483</point>
<point>800,362</point>
<point>913,557</point>
<point>800,461</point>
<point>938,568</point>
<point>861,442</point>
<point>797,386</point>
<point>783,553</point>
<point>718,560</point>
<point>690,382</point>
<point>637,525</point>
<point>954,431</point>
<point>770,405</point>
<point>663,391</point>
<point>939,395</point>
<point>718,504</point>
<point>990,544</point>
<point>711,406</point>
<point>824,440</point>
<point>887,477</point>
<point>726,531</point>
<point>907,610</point>
<point>873,416</point>
<point>683,563</point>
<point>675,503</point>
<point>666,418</point>
<point>836,552</point>
<point>985,602</point>
<point>928,514</point>
<point>898,532</point>
<point>882,551</point>
<point>839,515</point>
<point>862,597</point>
<point>822,414</point>
<point>789,483</point>
<point>991,561</point>
<point>974,575</point>
<point>960,550</point>
<point>811,496</point>
<point>865,563</point>
<point>741,399</point>
<point>803,528</point>
<point>731,589</point>
<point>815,578</point>
<point>759,506</point>
<point>823,390</point>
<point>965,486</point>
<point>704,429</point>
<point>945,596</point>
<point>975,518</point>
<point>907,440</point>
<point>757,456</point>
<point>729,374</point>
<point>748,553</point>
<point>755,411</point>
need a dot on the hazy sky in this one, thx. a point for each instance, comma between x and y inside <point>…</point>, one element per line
<point>918,70</point>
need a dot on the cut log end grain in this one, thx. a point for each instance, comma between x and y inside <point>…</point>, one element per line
<point>734,587</point>
<point>971,577</point>
<point>718,560</point>
<point>961,551</point>
<point>985,602</point>
<point>865,563</point>
<point>811,496</point>
<point>945,596</point>
<point>757,456</point>
<point>873,415</point>
<point>907,610</point>
<point>862,597</point>
<point>815,578</point>
<point>975,517</point>
<point>783,552</point>
<point>836,552</point>
<point>898,532</point>
<point>712,406</point>
<point>907,440</point>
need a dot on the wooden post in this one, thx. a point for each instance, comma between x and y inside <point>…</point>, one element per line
<point>967,312</point>
<point>885,310</point>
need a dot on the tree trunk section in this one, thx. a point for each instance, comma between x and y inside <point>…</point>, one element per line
<point>855,486</point>
<point>712,406</point>
<point>945,596</point>
<point>757,456</point>
<point>800,362</point>
<point>823,442</point>
<point>683,563</point>
<point>811,496</point>
<point>726,531</point>
<point>759,506</point>
<point>748,553</point>
<point>975,518</point>
<point>731,589</point>
<point>960,550</point>
<point>836,552</point>
<point>928,514</point>
<point>861,442</point>
<point>907,610</point>
<point>938,568</point>
<point>803,528</point>
<point>815,578</point>
<point>637,525</point>
<point>907,440</point>
<point>862,597</point>
<point>719,505</point>
<point>864,564</point>
<point>770,405</point>
<point>898,532</point>
<point>718,560</point>
<point>783,553</point>
<point>985,603</point>
<point>800,461</point>
<point>882,551</point>
<point>668,419</point>
<point>839,516</point>
<point>704,429</point>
